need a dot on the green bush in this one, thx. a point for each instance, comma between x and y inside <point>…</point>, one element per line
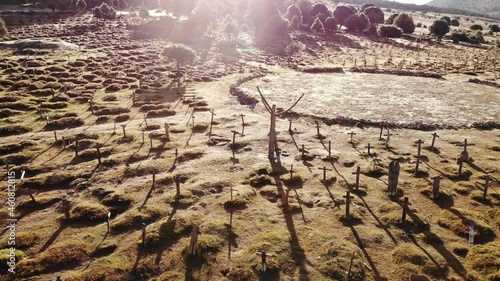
<point>405,22</point>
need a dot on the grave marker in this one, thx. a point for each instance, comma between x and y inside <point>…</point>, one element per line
<point>291,171</point>
<point>143,234</point>
<point>348,200</point>
<point>464,156</point>
<point>465,144</point>
<point>318,125</point>
<point>471,233</point>
<point>357,173</point>
<point>55,136</point>
<point>394,169</point>
<point>405,210</point>
<point>486,186</point>
<point>98,148</point>
<point>352,134</point>
<point>66,208</point>
<point>324,173</point>
<point>167,131</point>
<point>211,122</point>
<point>177,180</point>
<point>435,187</point>
<point>195,232</point>
<point>123,128</point>
<point>388,135</point>
<point>329,148</point>
<point>264,256</point>
<point>234,136</point>
<point>434,136</point>
<point>76,147</point>
<point>108,222</point>
<point>369,148</point>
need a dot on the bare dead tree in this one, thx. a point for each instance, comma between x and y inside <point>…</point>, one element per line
<point>273,141</point>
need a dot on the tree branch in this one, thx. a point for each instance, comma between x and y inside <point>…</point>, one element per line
<point>285,111</point>
<point>264,101</point>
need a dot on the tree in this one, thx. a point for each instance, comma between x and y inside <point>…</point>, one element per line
<point>317,26</point>
<point>293,11</point>
<point>374,14</point>
<point>447,20</point>
<point>365,6</point>
<point>390,20</point>
<point>439,28</point>
<point>267,20</point>
<point>405,22</point>
<point>55,4</point>
<point>318,9</point>
<point>389,31</point>
<point>295,23</point>
<point>104,11</point>
<point>330,24</point>
<point>455,22</point>
<point>122,4</point>
<point>203,14</point>
<point>356,22</point>
<point>143,12</point>
<point>305,7</point>
<point>495,28</point>
<point>3,29</point>
<point>81,5</point>
<point>182,54</point>
<point>476,27</point>
<point>341,13</point>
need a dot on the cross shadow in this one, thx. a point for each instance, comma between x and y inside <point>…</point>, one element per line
<point>380,223</point>
<point>376,273</point>
<point>169,220</point>
<point>39,154</point>
<point>54,236</point>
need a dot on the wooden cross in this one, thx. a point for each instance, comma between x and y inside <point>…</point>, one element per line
<point>405,210</point>
<point>154,178</point>
<point>329,148</point>
<point>394,169</point>
<point>195,232</point>
<point>192,118</point>
<point>231,192</point>
<point>290,125</point>
<point>419,144</point>
<point>462,158</point>
<point>348,200</point>
<point>369,148</point>
<point>318,125</point>
<point>357,173</point>
<point>352,134</point>
<point>211,122</point>
<point>264,256</point>
<point>434,136</point>
<point>291,171</point>
<point>151,140</point>
<point>55,136</point>
<point>465,144</point>
<point>417,164</point>
<point>242,119</point>
<point>76,147</point>
<point>234,136</point>
<point>435,187</point>
<point>324,173</point>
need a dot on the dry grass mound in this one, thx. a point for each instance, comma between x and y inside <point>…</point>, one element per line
<point>134,219</point>
<point>64,123</point>
<point>335,257</point>
<point>11,130</point>
<point>89,212</point>
<point>458,221</point>
<point>61,255</point>
<point>412,260</point>
<point>483,262</point>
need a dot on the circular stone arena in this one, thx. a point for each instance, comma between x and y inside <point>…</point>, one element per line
<point>377,97</point>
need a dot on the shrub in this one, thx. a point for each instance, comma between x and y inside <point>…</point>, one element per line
<point>305,7</point>
<point>267,20</point>
<point>81,5</point>
<point>390,20</point>
<point>104,11</point>
<point>182,54</point>
<point>335,257</point>
<point>330,24</point>
<point>439,28</point>
<point>481,260</point>
<point>495,28</point>
<point>365,6</point>
<point>476,27</point>
<point>405,22</point>
<point>317,26</point>
<point>455,22</point>
<point>447,20</point>
<point>342,13</point>
<point>295,23</point>
<point>389,31</point>
<point>356,22</point>
<point>89,212</point>
<point>143,12</point>
<point>374,14</point>
<point>317,9</point>
<point>3,29</point>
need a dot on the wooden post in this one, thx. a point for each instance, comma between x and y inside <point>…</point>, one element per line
<point>434,136</point>
<point>350,268</point>
<point>405,209</point>
<point>394,169</point>
<point>264,256</point>
<point>108,222</point>
<point>324,173</point>
<point>76,147</point>
<point>195,232</point>
<point>303,152</point>
<point>272,133</point>
<point>419,143</point>
<point>369,148</point>
<point>154,178</point>
<point>123,128</point>
<point>348,199</point>
<point>486,186</point>
<point>98,148</point>
<point>242,119</point>
<point>55,136</point>
<point>192,118</point>
<point>143,132</point>
<point>291,171</point>
<point>211,122</point>
<point>167,131</point>
<point>64,142</point>
<point>435,187</point>
<point>146,120</point>
<point>177,180</point>
<point>464,156</point>
<point>234,136</point>
<point>143,234</point>
<point>357,173</point>
<point>329,148</point>
<point>66,207</point>
<point>465,144</point>
<point>150,135</point>
<point>381,129</point>
<point>471,233</point>
<point>352,134</point>
<point>290,125</point>
<point>388,135</point>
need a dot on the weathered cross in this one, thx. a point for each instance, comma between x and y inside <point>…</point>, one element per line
<point>329,148</point>
<point>324,173</point>
<point>465,144</point>
<point>177,180</point>
<point>352,134</point>
<point>195,232</point>
<point>318,125</point>
<point>291,171</point>
<point>109,220</point>
<point>369,149</point>
<point>388,135</point>
<point>167,131</point>
<point>348,200</point>
<point>123,127</point>
<point>382,124</point>
<point>66,207</point>
<point>357,173</point>
<point>264,256</point>
<point>419,144</point>
<point>234,136</point>
<point>211,122</point>
<point>464,156</point>
<point>486,185</point>
<point>434,136</point>
<point>405,210</point>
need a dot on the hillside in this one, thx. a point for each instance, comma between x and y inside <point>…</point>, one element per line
<point>489,7</point>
